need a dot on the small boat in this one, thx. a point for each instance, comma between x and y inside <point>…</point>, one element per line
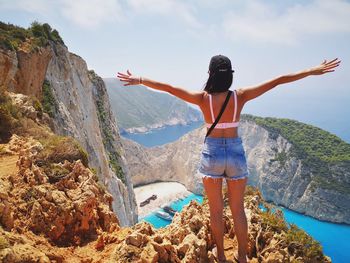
<point>169,210</point>
<point>164,215</point>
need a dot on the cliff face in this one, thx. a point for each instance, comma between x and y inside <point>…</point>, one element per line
<point>81,110</point>
<point>177,161</point>
<point>284,181</point>
<point>23,72</point>
<point>288,181</point>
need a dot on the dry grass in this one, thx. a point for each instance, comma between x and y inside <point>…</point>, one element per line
<point>57,149</point>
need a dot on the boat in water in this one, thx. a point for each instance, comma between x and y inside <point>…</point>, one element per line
<point>169,210</point>
<point>164,215</point>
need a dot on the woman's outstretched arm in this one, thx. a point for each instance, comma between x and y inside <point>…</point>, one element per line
<point>194,97</point>
<point>252,92</point>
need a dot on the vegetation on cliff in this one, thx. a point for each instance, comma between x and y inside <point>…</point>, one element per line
<point>316,148</point>
<point>8,116</point>
<point>37,35</point>
<point>49,104</point>
<point>105,125</point>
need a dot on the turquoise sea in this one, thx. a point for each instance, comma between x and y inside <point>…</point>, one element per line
<point>158,222</point>
<point>335,238</point>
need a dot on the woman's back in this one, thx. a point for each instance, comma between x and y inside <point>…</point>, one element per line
<point>227,116</point>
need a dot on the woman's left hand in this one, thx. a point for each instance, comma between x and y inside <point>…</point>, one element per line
<point>129,79</point>
<point>325,67</point>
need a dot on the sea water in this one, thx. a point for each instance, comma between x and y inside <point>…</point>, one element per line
<point>162,135</point>
<point>177,205</point>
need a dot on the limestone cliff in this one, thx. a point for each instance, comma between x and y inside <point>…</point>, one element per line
<point>177,161</point>
<point>281,176</point>
<point>78,106</point>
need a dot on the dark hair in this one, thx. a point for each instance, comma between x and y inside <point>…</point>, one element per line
<point>218,82</point>
<point>220,74</point>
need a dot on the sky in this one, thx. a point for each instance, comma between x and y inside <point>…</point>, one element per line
<point>173,40</point>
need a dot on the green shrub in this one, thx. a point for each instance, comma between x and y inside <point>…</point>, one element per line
<point>4,242</point>
<point>38,35</point>
<point>9,116</point>
<point>37,106</point>
<point>49,104</point>
<point>303,245</point>
<point>299,243</point>
<point>281,158</point>
<point>2,149</point>
<point>117,169</point>
<point>273,218</point>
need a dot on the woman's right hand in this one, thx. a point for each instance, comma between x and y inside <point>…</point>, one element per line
<point>325,67</point>
<point>129,79</point>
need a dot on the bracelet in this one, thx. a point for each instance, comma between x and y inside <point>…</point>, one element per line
<point>140,79</point>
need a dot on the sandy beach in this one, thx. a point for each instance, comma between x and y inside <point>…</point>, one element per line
<point>166,192</point>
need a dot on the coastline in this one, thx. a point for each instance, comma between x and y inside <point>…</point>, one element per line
<point>167,192</point>
<point>157,126</point>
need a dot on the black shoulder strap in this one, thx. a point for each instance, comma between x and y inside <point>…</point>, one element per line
<point>221,112</point>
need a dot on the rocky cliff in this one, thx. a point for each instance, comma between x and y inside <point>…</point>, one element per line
<point>282,176</point>
<point>63,214</point>
<point>77,102</point>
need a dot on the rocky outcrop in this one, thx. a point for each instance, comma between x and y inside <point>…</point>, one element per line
<point>188,238</point>
<point>81,110</point>
<point>68,218</point>
<point>23,72</point>
<point>42,211</point>
<point>67,207</point>
<point>286,182</point>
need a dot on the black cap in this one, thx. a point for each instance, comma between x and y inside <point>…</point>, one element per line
<point>220,63</point>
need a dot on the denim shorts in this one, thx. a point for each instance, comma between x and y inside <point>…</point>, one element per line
<point>223,158</point>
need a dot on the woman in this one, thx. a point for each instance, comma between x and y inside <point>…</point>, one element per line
<point>223,155</point>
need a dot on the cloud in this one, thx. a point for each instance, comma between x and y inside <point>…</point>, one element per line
<point>171,8</point>
<point>91,13</point>
<point>265,23</point>
<point>84,13</point>
<point>32,6</point>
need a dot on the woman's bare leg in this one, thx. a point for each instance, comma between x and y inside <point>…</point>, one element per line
<point>213,190</point>
<point>236,200</point>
